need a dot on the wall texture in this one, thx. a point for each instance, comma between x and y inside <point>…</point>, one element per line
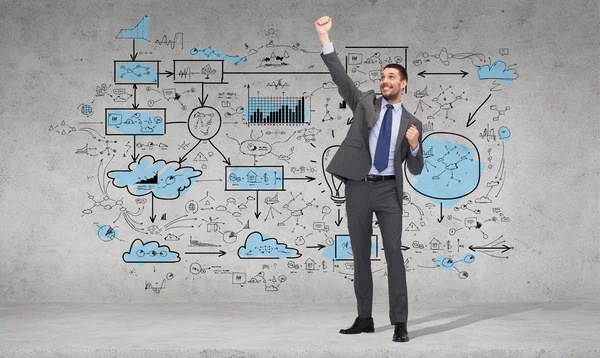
<point>150,180</point>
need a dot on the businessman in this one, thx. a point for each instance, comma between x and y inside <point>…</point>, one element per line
<point>382,136</point>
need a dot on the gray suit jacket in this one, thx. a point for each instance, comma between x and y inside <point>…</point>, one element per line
<point>353,159</point>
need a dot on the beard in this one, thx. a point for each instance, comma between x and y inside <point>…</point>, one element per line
<point>392,95</point>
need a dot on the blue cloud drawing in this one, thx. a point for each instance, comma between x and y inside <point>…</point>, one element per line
<point>165,180</point>
<point>497,71</point>
<point>150,252</point>
<point>256,246</point>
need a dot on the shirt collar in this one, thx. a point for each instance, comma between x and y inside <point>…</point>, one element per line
<point>397,106</point>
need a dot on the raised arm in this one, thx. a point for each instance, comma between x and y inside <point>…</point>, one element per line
<point>346,87</point>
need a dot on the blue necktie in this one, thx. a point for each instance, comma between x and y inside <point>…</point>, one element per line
<point>382,151</point>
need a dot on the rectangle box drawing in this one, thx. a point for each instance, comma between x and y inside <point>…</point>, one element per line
<point>343,248</point>
<point>238,278</point>
<point>138,121</point>
<point>136,72</point>
<point>251,178</point>
<point>198,71</point>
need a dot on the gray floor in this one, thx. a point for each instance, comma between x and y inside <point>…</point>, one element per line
<point>295,330</point>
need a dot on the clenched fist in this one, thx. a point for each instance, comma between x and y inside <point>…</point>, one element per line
<point>412,135</point>
<point>323,24</point>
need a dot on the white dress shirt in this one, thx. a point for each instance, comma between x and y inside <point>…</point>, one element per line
<point>374,133</point>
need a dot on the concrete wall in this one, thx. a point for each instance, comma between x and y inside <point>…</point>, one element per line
<point>74,199</point>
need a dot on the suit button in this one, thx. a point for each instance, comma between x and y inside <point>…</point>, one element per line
<point>369,128</point>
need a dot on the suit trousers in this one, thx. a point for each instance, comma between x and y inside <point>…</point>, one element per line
<point>362,200</point>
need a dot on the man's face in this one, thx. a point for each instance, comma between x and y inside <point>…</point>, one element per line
<point>390,84</point>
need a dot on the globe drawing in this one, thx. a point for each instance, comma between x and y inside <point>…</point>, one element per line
<point>86,109</point>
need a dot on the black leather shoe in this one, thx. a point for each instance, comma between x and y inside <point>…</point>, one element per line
<point>360,325</point>
<point>400,333</point>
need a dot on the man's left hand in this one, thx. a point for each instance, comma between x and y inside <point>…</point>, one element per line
<point>412,135</point>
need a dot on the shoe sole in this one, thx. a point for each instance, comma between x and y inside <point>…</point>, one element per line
<point>366,330</point>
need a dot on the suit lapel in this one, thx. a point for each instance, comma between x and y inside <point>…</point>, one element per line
<point>403,128</point>
<point>377,106</point>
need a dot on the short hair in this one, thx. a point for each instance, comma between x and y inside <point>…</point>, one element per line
<point>400,68</point>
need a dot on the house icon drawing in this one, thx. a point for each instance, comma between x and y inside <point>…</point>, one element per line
<point>251,177</point>
<point>435,244</point>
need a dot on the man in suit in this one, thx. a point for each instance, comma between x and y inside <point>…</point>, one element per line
<point>382,136</point>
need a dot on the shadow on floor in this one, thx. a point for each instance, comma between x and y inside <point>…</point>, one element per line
<point>475,312</point>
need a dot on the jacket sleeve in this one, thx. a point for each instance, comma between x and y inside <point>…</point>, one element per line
<point>346,87</point>
<point>415,163</point>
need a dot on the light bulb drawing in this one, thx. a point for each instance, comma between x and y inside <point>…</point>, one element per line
<point>336,189</point>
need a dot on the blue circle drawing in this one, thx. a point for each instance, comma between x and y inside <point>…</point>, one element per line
<point>452,167</point>
<point>503,133</point>
<point>106,232</point>
<point>469,258</point>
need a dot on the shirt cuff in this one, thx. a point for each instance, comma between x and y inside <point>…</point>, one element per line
<point>327,48</point>
<point>414,152</point>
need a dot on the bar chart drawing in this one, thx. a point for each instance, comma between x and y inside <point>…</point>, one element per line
<point>276,111</point>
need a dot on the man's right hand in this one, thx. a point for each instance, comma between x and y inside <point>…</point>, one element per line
<point>323,25</point>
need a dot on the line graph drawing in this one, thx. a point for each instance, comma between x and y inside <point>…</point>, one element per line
<point>138,32</point>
